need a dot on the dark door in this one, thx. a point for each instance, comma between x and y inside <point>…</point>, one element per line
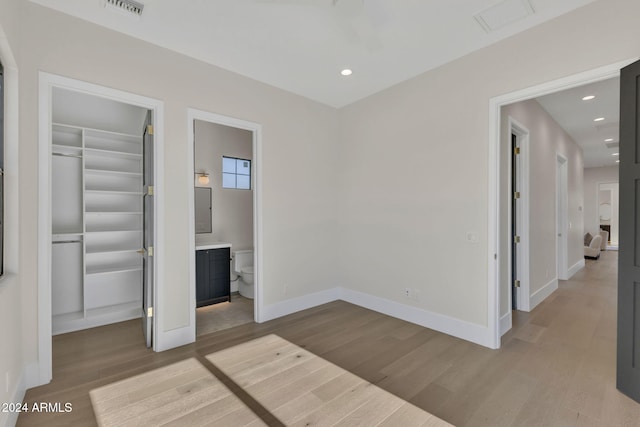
<point>514,220</point>
<point>147,253</point>
<point>628,363</point>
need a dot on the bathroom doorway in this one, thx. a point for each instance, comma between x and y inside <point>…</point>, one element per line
<point>225,184</point>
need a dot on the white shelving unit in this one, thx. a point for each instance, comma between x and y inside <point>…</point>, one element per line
<point>97,225</point>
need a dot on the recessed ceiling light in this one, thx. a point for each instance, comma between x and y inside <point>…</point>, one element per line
<point>588,97</point>
<point>599,119</point>
<point>608,140</point>
<point>346,72</point>
<point>615,154</point>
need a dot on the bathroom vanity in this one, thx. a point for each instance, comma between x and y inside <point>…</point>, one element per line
<point>213,273</point>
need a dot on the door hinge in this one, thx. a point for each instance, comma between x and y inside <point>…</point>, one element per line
<point>516,239</point>
<point>150,312</point>
<point>149,129</point>
<point>150,190</point>
<point>516,283</point>
<point>516,195</point>
<point>150,251</point>
<point>516,150</point>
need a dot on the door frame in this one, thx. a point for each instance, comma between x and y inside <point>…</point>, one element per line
<point>496,175</point>
<point>562,217</point>
<point>522,297</point>
<point>47,82</point>
<point>256,165</point>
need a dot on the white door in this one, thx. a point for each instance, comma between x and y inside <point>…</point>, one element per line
<point>147,252</point>
<point>561,217</point>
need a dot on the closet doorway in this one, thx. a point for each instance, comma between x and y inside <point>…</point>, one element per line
<point>98,247</point>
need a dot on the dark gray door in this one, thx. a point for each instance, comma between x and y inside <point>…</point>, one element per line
<point>628,363</point>
<point>147,271</point>
<point>515,185</point>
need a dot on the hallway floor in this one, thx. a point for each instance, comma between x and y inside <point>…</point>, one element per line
<point>556,366</point>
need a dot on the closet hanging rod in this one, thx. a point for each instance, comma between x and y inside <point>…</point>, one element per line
<point>67,155</point>
<point>66,241</point>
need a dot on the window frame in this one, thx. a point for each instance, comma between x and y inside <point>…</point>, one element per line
<point>236,174</point>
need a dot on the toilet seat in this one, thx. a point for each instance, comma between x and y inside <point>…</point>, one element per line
<point>247,270</point>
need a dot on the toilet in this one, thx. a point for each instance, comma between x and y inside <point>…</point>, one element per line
<point>243,267</point>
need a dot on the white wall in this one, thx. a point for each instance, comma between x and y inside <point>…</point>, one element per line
<point>232,210</point>
<point>297,231</point>
<point>546,139</point>
<point>415,160</point>
<point>12,381</point>
<point>592,178</point>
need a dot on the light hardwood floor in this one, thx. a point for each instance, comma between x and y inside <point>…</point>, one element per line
<point>556,366</point>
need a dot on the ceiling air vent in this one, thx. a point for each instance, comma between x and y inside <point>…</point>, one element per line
<point>504,13</point>
<point>128,7</point>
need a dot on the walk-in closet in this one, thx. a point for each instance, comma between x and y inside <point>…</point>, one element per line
<point>97,215</point>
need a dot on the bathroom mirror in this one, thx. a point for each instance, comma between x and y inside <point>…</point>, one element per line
<point>605,212</point>
<point>203,210</point>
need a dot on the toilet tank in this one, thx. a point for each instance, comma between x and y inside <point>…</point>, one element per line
<point>242,259</point>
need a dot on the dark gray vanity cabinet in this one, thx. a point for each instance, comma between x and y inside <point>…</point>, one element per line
<point>212,276</point>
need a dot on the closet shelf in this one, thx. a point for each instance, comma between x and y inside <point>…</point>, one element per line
<point>97,132</point>
<point>97,232</point>
<point>98,213</point>
<point>112,153</point>
<point>66,148</point>
<point>106,229</point>
<point>95,271</point>
<point>121,193</point>
<point>111,172</point>
<point>111,251</point>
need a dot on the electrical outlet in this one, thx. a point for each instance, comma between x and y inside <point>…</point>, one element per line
<point>408,293</point>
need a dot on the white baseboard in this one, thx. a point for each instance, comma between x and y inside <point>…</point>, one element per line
<point>458,328</point>
<point>32,376</point>
<point>9,419</point>
<point>541,294</point>
<point>283,308</point>
<point>505,323</point>
<point>441,323</point>
<point>575,268</point>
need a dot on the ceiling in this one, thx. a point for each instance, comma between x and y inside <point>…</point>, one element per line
<point>302,45</point>
<point>576,117</point>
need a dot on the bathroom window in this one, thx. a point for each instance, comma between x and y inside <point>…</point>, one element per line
<point>236,173</point>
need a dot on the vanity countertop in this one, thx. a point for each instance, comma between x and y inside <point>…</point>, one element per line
<point>200,246</point>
